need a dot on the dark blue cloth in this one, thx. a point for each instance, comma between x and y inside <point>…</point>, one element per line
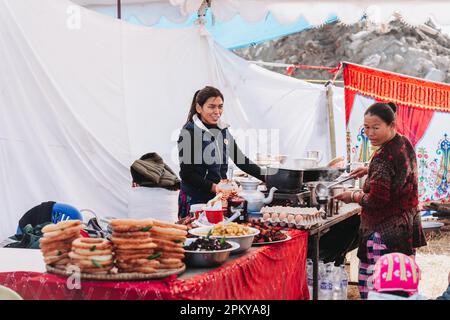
<point>207,152</point>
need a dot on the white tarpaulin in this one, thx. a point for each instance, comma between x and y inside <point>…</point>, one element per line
<point>285,11</point>
<point>83,95</point>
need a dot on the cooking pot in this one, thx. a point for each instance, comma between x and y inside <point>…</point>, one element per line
<point>285,180</point>
<point>322,174</point>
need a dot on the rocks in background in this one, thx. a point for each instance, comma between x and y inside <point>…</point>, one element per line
<point>422,52</point>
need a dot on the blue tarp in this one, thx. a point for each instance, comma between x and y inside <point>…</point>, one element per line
<point>238,33</point>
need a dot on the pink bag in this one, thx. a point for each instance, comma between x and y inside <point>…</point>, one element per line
<point>396,272</point>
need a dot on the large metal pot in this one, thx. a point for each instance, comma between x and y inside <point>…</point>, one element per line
<point>285,180</point>
<point>322,174</point>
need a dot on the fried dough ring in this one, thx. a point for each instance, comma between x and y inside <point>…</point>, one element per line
<point>123,258</point>
<point>138,263</point>
<point>89,263</point>
<point>172,255</point>
<point>63,236</point>
<point>150,245</point>
<point>89,243</point>
<point>131,241</point>
<point>61,225</point>
<point>95,252</point>
<point>168,243</point>
<point>55,252</point>
<point>168,231</point>
<point>169,261</point>
<point>59,232</point>
<point>163,224</point>
<point>56,244</point>
<point>98,258</point>
<point>62,262</point>
<point>170,266</point>
<point>119,252</point>
<point>131,222</point>
<point>53,259</point>
<point>132,235</point>
<point>138,270</point>
<point>95,270</point>
<point>175,239</point>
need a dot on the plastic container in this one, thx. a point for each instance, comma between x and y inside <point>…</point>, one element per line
<point>214,216</point>
<point>196,210</point>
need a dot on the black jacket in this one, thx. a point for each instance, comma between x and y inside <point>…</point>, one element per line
<point>204,154</point>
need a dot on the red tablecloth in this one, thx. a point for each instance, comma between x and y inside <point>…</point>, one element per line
<point>277,271</point>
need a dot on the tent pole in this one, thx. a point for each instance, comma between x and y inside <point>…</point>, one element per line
<point>331,120</point>
<point>119,9</point>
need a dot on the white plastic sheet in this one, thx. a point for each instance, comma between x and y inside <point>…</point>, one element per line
<point>83,95</point>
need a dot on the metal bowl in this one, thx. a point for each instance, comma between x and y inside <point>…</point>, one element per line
<point>207,258</point>
<point>245,242</point>
<point>429,226</point>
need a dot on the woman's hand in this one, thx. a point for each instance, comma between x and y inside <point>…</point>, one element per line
<point>359,172</point>
<point>216,188</point>
<point>345,197</point>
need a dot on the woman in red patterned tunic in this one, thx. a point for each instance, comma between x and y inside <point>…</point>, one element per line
<point>390,221</point>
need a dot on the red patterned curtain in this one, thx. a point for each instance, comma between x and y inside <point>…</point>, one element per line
<point>413,123</point>
<point>416,99</point>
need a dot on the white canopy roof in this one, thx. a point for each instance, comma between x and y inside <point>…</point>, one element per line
<point>288,11</point>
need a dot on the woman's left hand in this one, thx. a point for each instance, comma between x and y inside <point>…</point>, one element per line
<point>345,197</point>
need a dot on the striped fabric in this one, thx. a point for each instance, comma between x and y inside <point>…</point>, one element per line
<point>375,249</point>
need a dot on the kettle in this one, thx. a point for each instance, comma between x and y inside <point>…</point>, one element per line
<point>255,198</point>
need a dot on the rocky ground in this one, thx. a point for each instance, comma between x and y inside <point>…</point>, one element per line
<point>422,52</point>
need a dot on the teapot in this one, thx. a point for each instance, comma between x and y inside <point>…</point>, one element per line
<point>255,198</point>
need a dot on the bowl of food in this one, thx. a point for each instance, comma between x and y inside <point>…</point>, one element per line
<point>232,231</point>
<point>207,252</point>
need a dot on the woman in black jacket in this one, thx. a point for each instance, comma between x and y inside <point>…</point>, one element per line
<point>204,147</point>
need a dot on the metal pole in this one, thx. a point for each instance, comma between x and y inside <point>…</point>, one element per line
<point>315,256</point>
<point>331,120</point>
<point>119,9</point>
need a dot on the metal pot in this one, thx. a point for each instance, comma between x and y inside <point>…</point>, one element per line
<point>285,180</point>
<point>322,174</point>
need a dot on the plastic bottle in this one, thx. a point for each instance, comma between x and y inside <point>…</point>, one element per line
<point>344,282</point>
<point>326,284</point>
<point>321,275</point>
<point>309,269</point>
<point>337,289</point>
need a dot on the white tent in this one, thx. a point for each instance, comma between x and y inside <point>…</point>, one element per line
<point>285,11</point>
<point>83,95</point>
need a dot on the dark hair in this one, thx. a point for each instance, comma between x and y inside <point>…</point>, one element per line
<point>385,111</point>
<point>200,97</point>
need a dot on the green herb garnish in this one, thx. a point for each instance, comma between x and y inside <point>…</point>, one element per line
<point>93,248</point>
<point>58,253</point>
<point>95,263</point>
<point>209,234</point>
<point>145,229</point>
<point>154,256</point>
<point>178,241</point>
<point>222,241</point>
